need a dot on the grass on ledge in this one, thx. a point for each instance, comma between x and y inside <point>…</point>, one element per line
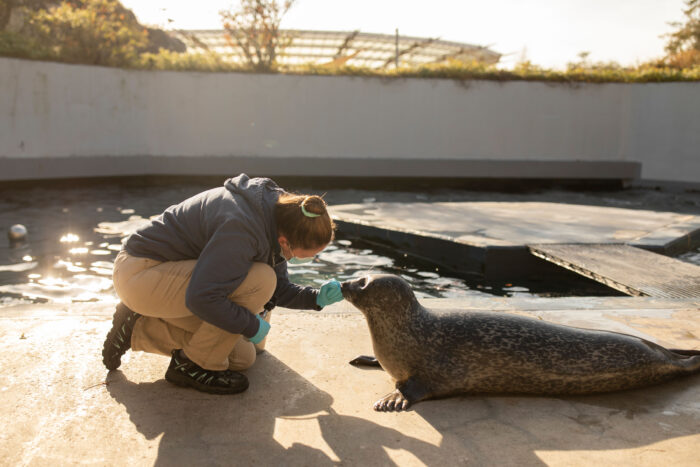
<point>455,71</point>
<point>12,46</point>
<point>463,72</point>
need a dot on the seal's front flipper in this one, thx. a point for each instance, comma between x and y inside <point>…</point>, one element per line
<point>406,394</point>
<point>365,360</point>
<point>392,401</point>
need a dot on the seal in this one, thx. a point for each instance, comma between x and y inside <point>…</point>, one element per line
<point>439,354</point>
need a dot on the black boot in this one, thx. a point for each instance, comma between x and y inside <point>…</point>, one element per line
<point>118,339</point>
<point>184,372</point>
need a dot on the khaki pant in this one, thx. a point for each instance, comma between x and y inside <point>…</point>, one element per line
<point>156,290</point>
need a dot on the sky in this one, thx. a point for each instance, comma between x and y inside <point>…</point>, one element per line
<point>549,33</point>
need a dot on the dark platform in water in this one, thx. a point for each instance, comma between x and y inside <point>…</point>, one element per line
<point>491,239</point>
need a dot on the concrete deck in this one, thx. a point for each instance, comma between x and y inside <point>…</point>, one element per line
<point>307,406</point>
<point>491,238</point>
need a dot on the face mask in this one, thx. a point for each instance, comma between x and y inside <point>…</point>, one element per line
<point>300,260</point>
<point>294,260</point>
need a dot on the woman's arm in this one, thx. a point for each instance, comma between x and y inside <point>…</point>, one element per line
<point>221,267</point>
<point>291,295</point>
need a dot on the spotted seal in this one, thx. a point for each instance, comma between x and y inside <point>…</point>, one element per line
<point>439,354</point>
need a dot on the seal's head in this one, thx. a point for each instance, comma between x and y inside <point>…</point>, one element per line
<point>379,293</point>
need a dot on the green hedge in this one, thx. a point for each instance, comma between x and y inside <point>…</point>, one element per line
<point>19,46</point>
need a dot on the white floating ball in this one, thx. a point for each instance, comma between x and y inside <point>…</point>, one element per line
<point>17,233</point>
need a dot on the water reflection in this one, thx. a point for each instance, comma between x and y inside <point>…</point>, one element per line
<point>343,261</point>
<point>76,288</point>
<point>18,267</point>
<point>76,265</point>
<point>691,257</point>
<point>69,238</point>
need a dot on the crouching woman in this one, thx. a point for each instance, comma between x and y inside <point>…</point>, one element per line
<point>198,282</point>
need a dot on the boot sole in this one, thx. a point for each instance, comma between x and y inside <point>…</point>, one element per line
<point>179,379</point>
<point>112,362</point>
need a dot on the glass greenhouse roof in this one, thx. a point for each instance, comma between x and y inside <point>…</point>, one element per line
<point>346,48</point>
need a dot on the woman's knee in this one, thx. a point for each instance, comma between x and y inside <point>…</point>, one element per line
<point>242,356</point>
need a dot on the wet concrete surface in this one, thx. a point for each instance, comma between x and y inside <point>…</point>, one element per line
<point>307,406</point>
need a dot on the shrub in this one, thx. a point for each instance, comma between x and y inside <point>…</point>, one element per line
<point>93,31</point>
<point>21,46</point>
<point>168,60</point>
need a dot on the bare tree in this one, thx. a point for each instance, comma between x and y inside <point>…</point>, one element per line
<point>683,47</point>
<point>254,29</point>
<point>687,34</point>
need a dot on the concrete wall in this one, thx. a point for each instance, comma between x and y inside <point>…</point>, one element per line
<point>204,122</point>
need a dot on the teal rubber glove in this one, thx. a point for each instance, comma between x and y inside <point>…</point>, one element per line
<point>330,293</point>
<point>262,331</point>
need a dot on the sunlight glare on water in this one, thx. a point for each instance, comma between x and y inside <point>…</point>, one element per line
<point>69,238</point>
<point>76,266</point>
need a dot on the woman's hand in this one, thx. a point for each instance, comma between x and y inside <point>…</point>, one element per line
<point>262,331</point>
<point>330,293</point>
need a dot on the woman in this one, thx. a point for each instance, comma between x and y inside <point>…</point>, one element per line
<point>198,277</point>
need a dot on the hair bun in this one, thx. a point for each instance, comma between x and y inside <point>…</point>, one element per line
<point>314,204</point>
<point>304,220</point>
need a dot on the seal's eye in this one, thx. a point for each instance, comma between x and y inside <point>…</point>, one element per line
<point>362,282</point>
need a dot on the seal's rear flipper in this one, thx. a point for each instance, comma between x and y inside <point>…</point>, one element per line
<point>406,394</point>
<point>685,353</point>
<point>365,360</point>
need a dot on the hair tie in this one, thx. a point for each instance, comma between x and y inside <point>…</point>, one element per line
<point>307,213</point>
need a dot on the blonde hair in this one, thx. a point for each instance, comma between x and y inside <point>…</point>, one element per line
<point>309,230</point>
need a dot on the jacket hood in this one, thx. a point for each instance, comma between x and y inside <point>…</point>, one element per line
<point>253,189</point>
<point>261,195</point>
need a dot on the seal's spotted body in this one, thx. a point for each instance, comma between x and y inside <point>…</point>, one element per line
<point>437,354</point>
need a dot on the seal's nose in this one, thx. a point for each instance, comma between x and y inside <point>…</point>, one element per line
<point>350,288</point>
<point>354,284</point>
<point>346,287</point>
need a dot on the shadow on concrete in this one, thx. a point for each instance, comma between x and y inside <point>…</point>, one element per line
<point>243,429</point>
<point>505,430</point>
<point>285,419</point>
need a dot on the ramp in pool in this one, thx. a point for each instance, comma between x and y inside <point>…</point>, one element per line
<point>628,269</point>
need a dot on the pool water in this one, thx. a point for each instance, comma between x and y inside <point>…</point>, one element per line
<point>67,260</point>
<point>76,231</point>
